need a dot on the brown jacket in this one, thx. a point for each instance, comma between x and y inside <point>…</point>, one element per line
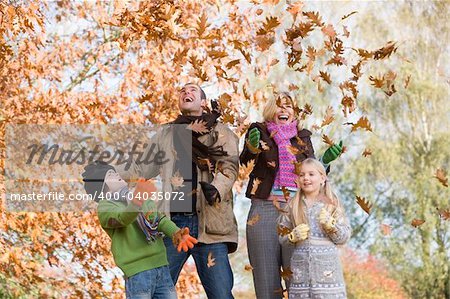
<point>217,223</point>
<point>264,168</point>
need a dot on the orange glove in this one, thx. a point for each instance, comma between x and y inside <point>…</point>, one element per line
<point>182,240</point>
<point>143,191</point>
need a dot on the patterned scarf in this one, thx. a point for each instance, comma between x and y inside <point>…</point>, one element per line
<point>284,132</point>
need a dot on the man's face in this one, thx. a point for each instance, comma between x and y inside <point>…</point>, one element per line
<point>190,102</point>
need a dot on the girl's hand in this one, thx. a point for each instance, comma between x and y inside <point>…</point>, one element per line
<point>327,220</point>
<point>299,233</point>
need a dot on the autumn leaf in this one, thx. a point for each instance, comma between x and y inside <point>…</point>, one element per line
<point>346,16</point>
<point>297,166</point>
<point>292,150</point>
<point>252,221</point>
<point>177,180</point>
<point>329,117</point>
<point>227,117</point>
<point>248,267</point>
<point>198,126</point>
<point>232,63</point>
<point>441,176</point>
<point>346,32</point>
<point>211,260</point>
<point>444,214</point>
<point>286,193</point>
<point>407,80</point>
<point>283,230</point>
<point>329,31</point>
<point>271,164</point>
<point>327,140</point>
<point>220,169</point>
<point>255,186</point>
<point>386,229</point>
<point>286,274</point>
<point>367,152</point>
<point>364,204</point>
<point>295,8</point>
<point>362,123</point>
<point>269,25</point>
<point>274,62</point>
<point>417,222</point>
<point>325,76</point>
<point>273,134</point>
<point>202,24</point>
<point>315,18</point>
<point>385,51</point>
<point>377,81</point>
<point>248,167</point>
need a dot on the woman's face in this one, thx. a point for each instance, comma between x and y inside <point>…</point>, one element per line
<point>285,112</point>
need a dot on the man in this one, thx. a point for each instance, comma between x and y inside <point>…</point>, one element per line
<point>209,210</point>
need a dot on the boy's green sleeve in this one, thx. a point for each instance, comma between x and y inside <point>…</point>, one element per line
<point>167,226</point>
<point>115,214</point>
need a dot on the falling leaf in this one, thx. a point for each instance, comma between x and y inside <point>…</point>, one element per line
<point>329,117</point>
<point>297,166</point>
<point>206,162</point>
<point>364,204</point>
<point>259,11</point>
<point>377,81</point>
<point>272,164</point>
<point>264,145</point>
<point>211,260</point>
<point>252,221</point>
<point>385,51</point>
<point>202,24</point>
<point>362,123</point>
<point>315,18</point>
<point>283,230</point>
<point>248,267</point>
<point>327,140</point>
<point>286,193</point>
<point>269,25</point>
<point>274,62</point>
<point>253,149</point>
<point>286,274</point>
<point>329,31</point>
<point>346,16</point>
<point>177,180</point>
<point>408,78</point>
<point>346,32</point>
<point>417,222</point>
<point>232,63</point>
<point>228,118</point>
<point>385,229</point>
<point>441,176</point>
<point>220,169</point>
<point>295,8</point>
<point>198,126</point>
<point>444,214</point>
<point>255,186</point>
<point>325,76</point>
<point>293,150</point>
<point>367,152</point>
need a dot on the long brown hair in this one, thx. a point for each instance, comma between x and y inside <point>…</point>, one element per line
<point>326,195</point>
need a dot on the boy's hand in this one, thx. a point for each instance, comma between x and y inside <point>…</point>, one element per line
<point>299,233</point>
<point>332,153</point>
<point>142,191</point>
<point>182,240</point>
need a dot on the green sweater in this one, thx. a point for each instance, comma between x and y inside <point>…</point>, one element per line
<point>131,251</point>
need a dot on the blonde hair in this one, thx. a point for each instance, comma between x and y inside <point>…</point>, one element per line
<point>270,109</point>
<point>326,195</point>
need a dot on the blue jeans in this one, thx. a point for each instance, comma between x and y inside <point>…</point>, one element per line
<point>154,283</point>
<point>216,280</point>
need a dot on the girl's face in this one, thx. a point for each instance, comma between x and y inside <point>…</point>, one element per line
<point>114,181</point>
<point>285,112</point>
<point>310,179</point>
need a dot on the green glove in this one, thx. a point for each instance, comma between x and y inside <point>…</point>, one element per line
<point>332,153</point>
<point>253,137</point>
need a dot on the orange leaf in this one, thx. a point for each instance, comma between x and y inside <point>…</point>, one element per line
<point>329,116</point>
<point>417,222</point>
<point>327,140</point>
<point>177,180</point>
<point>441,176</point>
<point>248,267</point>
<point>232,63</point>
<point>297,166</point>
<point>362,123</point>
<point>202,24</point>
<point>386,229</point>
<point>445,214</point>
<point>198,126</point>
<point>264,145</point>
<point>286,193</point>
<point>367,152</point>
<point>272,164</point>
<point>293,150</point>
<point>286,274</point>
<point>254,220</point>
<point>364,204</point>
<point>255,186</point>
<point>346,16</point>
<point>325,76</point>
<point>328,30</point>
<point>283,230</point>
<point>278,207</point>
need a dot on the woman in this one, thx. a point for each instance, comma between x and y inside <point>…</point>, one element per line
<point>274,146</point>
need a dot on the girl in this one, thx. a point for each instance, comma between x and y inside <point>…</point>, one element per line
<point>274,145</point>
<point>318,224</point>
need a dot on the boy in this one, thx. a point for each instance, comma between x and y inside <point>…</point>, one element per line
<point>136,230</point>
